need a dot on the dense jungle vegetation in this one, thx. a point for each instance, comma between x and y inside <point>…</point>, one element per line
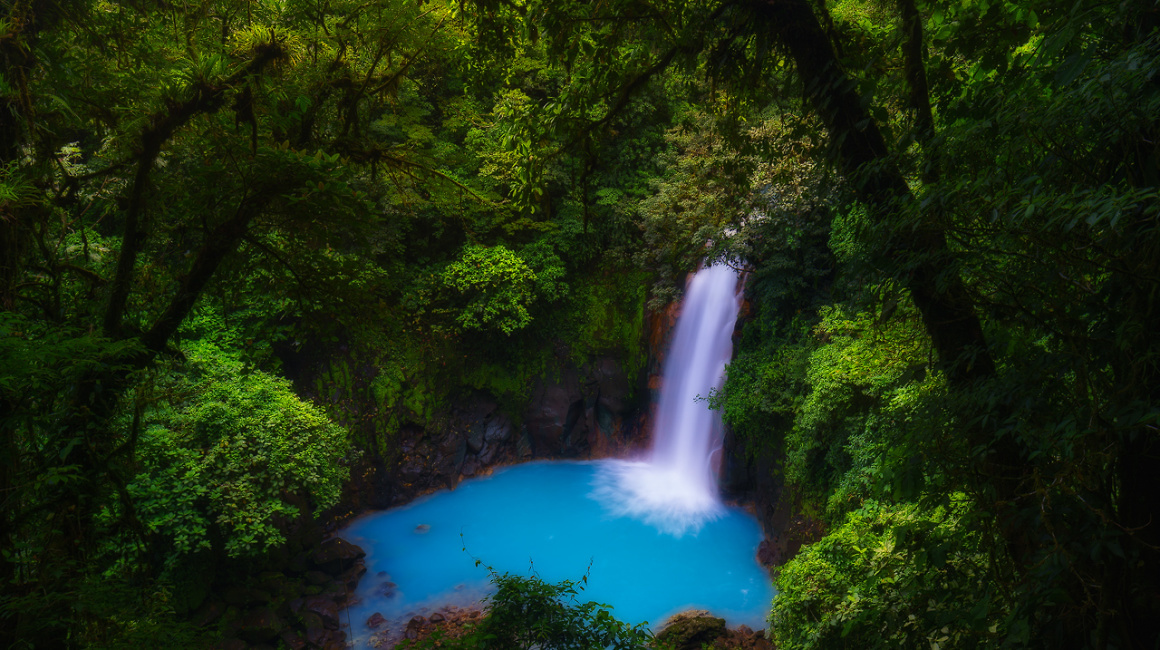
<point>948,211</point>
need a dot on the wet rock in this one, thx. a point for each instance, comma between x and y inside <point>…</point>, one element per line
<point>387,589</point>
<point>475,439</point>
<point>376,621</point>
<point>414,627</point>
<point>292,640</point>
<point>325,608</point>
<point>690,630</point>
<point>312,590</point>
<point>613,387</point>
<point>325,639</point>
<point>487,454</point>
<point>524,444</point>
<point>498,429</point>
<point>337,555</point>
<point>551,413</point>
<point>350,578</point>
<point>766,554</point>
<point>470,467</point>
<point>742,638</point>
<point>260,625</point>
<point>316,578</point>
<point>241,596</point>
<point>336,592</point>
<point>437,617</point>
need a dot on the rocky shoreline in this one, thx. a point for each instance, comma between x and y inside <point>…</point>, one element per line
<point>300,608</point>
<point>691,630</point>
<point>591,410</point>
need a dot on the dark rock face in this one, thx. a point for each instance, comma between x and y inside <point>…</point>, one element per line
<point>690,630</point>
<point>259,625</point>
<point>756,475</point>
<point>587,411</point>
<point>337,555</point>
<point>324,608</point>
<point>298,608</point>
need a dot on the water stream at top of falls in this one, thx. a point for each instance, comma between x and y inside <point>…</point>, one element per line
<point>675,487</point>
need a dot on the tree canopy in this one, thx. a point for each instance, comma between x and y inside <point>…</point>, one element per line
<point>947,213</point>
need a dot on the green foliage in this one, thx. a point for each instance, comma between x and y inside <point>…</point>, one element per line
<point>889,577</point>
<point>225,452</point>
<point>526,613</point>
<point>493,287</point>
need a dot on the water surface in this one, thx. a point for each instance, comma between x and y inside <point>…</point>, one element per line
<point>549,517</point>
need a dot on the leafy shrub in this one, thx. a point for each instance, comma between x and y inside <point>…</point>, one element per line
<point>492,288</point>
<point>226,453</point>
<point>890,576</point>
<point>526,612</point>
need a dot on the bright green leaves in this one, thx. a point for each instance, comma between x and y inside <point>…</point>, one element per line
<point>232,450</point>
<point>526,612</point>
<point>493,288</point>
<point>865,383</point>
<point>889,577</point>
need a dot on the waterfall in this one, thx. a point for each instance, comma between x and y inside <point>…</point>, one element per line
<point>675,488</point>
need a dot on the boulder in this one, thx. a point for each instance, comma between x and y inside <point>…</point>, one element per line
<point>241,596</point>
<point>487,453</point>
<point>414,627</point>
<point>690,630</point>
<point>292,640</point>
<point>351,576</point>
<point>386,589</point>
<point>316,578</point>
<point>470,467</point>
<point>336,555</point>
<point>325,608</point>
<point>259,625</point>
<point>376,621</point>
<point>325,639</point>
<point>498,429</point>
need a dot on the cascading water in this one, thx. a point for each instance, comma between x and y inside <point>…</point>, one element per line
<point>675,487</point>
<point>622,522</point>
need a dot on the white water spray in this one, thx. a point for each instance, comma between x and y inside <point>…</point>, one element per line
<point>675,488</point>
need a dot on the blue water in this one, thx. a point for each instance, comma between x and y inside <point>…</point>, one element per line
<point>548,517</point>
